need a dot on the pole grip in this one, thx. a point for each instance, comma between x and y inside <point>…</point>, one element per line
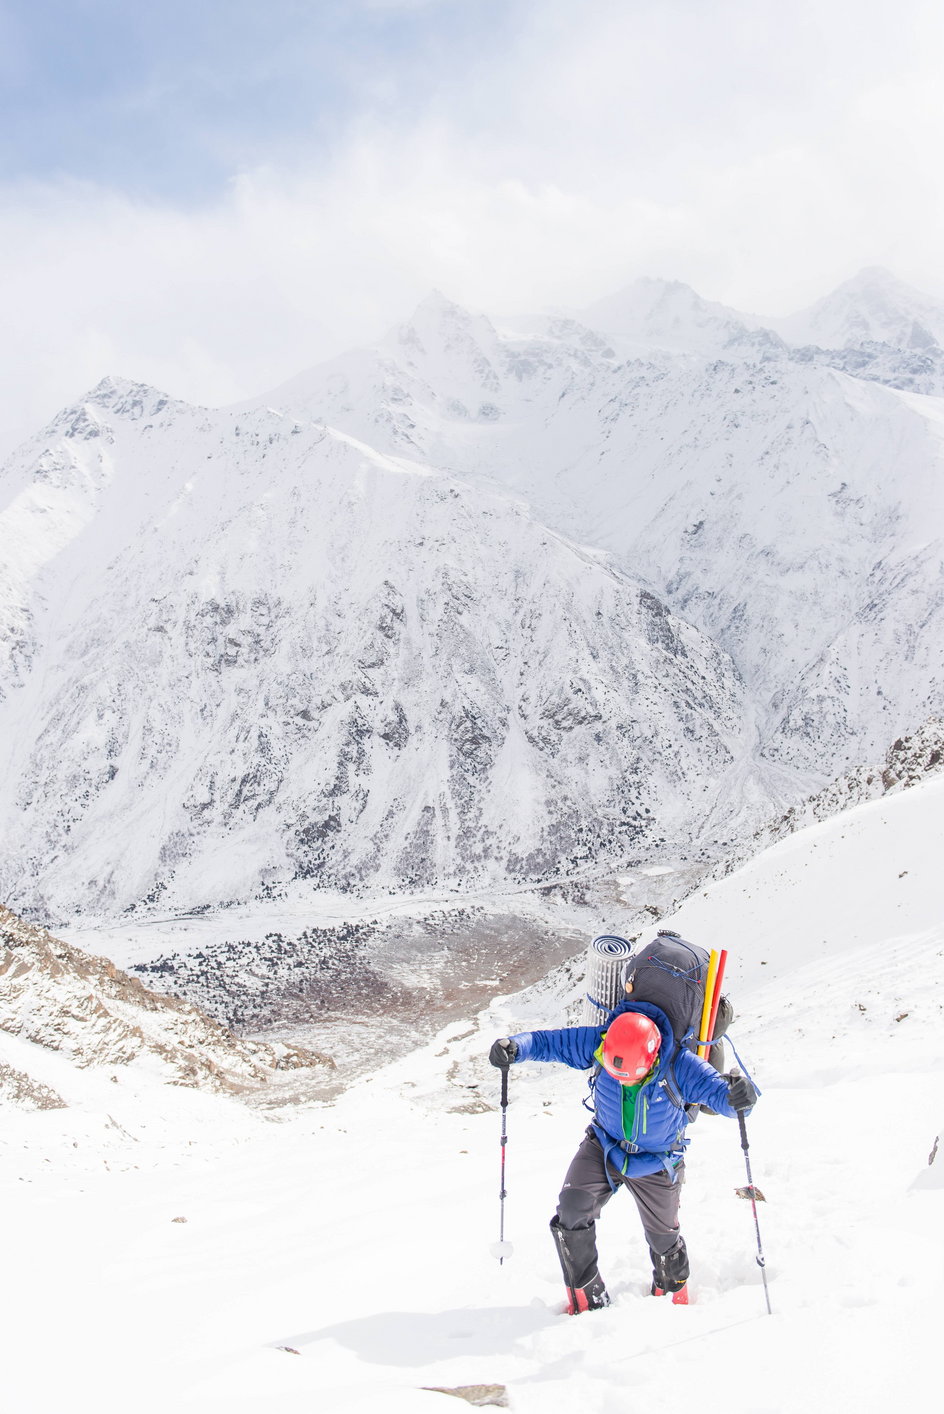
<point>742,1126</point>
<point>504,1087</point>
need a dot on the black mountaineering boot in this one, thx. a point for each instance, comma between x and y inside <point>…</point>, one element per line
<point>577,1250</point>
<point>670,1271</point>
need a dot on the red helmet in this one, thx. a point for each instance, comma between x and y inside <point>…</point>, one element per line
<point>630,1047</point>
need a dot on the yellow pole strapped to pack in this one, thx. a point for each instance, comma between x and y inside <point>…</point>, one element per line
<point>704,1034</point>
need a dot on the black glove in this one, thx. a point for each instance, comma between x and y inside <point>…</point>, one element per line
<point>741,1093</point>
<point>503,1053</point>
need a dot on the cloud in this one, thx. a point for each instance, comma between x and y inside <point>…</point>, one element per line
<point>760,152</point>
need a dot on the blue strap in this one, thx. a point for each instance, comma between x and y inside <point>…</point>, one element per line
<point>602,1006</point>
<point>673,971</point>
<point>589,1100</point>
<point>713,1041</point>
<point>607,1145</point>
<point>743,1066</point>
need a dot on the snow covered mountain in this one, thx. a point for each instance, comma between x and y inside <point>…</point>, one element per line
<point>471,608</point>
<point>789,508</point>
<point>667,315</point>
<point>872,307</point>
<point>264,652</point>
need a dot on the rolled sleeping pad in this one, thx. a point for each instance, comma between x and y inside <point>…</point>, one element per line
<point>605,958</point>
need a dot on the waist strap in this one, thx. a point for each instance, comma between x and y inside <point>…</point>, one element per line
<point>632,1162</point>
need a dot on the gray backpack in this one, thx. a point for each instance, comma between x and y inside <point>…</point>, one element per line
<point>671,973</point>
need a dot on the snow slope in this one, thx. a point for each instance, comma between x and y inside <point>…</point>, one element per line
<point>337,1256</point>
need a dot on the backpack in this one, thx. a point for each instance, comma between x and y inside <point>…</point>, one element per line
<point>671,973</point>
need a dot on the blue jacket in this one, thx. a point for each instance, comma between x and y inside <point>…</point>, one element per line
<point>657,1140</point>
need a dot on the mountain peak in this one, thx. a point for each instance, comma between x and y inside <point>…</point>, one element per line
<point>873,275</point>
<point>667,314</point>
<point>873,306</point>
<point>437,304</point>
<point>437,311</point>
<point>446,336</point>
<point>113,389</point>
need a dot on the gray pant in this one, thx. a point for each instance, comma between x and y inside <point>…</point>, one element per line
<point>587,1190</point>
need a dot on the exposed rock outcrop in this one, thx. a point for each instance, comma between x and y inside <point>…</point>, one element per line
<point>21,1090</point>
<point>57,996</point>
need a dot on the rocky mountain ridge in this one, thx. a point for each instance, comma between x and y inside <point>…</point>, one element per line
<point>58,997</point>
<point>907,762</point>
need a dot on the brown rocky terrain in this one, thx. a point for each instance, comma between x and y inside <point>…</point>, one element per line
<point>57,996</point>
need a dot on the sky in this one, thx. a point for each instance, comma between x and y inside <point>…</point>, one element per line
<point>211,195</point>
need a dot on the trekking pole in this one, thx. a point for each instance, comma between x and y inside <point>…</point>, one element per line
<point>752,1191</point>
<point>502,1249</point>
